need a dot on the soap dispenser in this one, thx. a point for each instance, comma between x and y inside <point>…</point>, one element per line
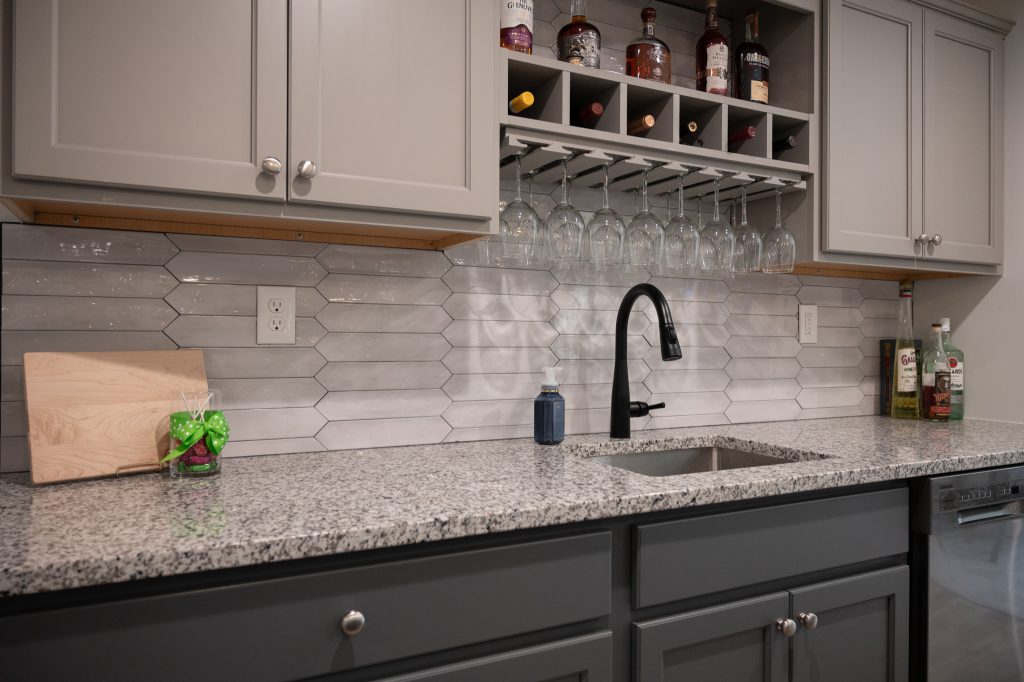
<point>549,411</point>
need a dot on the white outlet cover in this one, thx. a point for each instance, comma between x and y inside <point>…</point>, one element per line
<point>275,316</point>
<point>808,324</point>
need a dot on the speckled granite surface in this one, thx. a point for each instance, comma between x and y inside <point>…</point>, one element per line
<point>275,508</point>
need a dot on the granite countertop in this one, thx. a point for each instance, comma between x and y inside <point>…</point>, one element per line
<point>274,508</point>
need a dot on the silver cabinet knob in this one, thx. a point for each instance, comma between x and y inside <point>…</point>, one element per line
<point>308,169</point>
<point>924,239</point>
<point>786,626</point>
<point>936,239</point>
<point>808,620</point>
<point>272,165</point>
<point>352,623</point>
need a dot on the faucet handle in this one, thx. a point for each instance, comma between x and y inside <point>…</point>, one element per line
<point>641,409</point>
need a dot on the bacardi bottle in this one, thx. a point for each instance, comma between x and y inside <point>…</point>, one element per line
<point>906,398</point>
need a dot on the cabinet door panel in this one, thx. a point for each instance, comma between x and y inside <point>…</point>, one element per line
<point>863,629</point>
<point>963,139</point>
<point>394,102</point>
<point>873,126</point>
<point>736,641</point>
<point>187,95</point>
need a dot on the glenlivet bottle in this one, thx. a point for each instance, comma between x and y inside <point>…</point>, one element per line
<point>712,55</point>
<point>647,57</point>
<point>905,403</point>
<point>516,27</point>
<point>935,383</point>
<point>956,372</point>
<point>751,75</point>
<point>579,42</point>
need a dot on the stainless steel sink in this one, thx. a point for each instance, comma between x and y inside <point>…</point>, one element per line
<point>687,461</point>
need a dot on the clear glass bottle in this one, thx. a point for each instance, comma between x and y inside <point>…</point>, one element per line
<point>579,41</point>
<point>751,76</point>
<point>935,381</point>
<point>906,397</point>
<point>516,26</point>
<point>712,55</point>
<point>646,56</point>
<point>956,372</point>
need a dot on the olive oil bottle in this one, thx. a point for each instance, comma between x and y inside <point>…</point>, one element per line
<point>906,388</point>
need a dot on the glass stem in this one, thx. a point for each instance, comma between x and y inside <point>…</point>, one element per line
<point>565,184</point>
<point>700,213</point>
<point>682,206</point>
<point>743,206</point>
<point>604,189</point>
<point>716,217</point>
<point>519,178</point>
<point>643,191</point>
<point>778,207</point>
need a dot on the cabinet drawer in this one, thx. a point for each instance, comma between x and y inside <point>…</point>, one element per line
<point>288,628</point>
<point>682,559</point>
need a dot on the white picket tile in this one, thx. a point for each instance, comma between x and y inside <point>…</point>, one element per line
<point>376,433</point>
<point>762,304</point>
<point>829,316</point>
<point>598,371</point>
<point>869,346</point>
<point>271,446</point>
<point>591,396</point>
<point>500,307</point>
<point>762,346</point>
<point>373,317</point>
<point>763,368</point>
<point>871,385</point>
<point>684,421</point>
<point>762,411</point>
<point>572,297</point>
<point>288,422</point>
<point>386,404</point>
<point>343,346</point>
<point>375,260</point>
<point>499,360</point>
<point>493,386</point>
<point>267,247</point>
<point>760,283</point>
<point>829,412</point>
<point>812,356</point>
<point>877,288</point>
<point>762,389</point>
<point>489,433</point>
<point>475,280</point>
<point>14,454</point>
<point>229,331</point>
<point>381,289</point>
<point>243,394</point>
<point>14,344</point>
<point>829,377</point>
<point>44,278</point>
<point>235,268</point>
<point>262,363</point>
<point>871,404</point>
<point>85,313</point>
<point>822,281</point>
<point>692,335</point>
<point>877,327</point>
<point>13,419</point>
<point>826,295</point>
<point>870,366</point>
<point>830,397</point>
<point>596,322</point>
<point>499,334</point>
<point>694,312</point>
<point>39,242</point>
<point>365,376</point>
<point>596,420</point>
<point>587,273</point>
<point>596,347</point>
<point>874,307</point>
<point>686,380</point>
<point>235,299</point>
<point>474,413</point>
<point>694,357</point>
<point>761,325</point>
<point>679,289</point>
<point>681,404</point>
<point>838,337</point>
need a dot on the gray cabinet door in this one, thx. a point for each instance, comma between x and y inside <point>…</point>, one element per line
<point>862,631</point>
<point>873,126</point>
<point>736,641</point>
<point>963,130</point>
<point>184,95</point>
<point>394,102</point>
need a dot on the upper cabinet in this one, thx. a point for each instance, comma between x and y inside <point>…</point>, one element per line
<point>913,134</point>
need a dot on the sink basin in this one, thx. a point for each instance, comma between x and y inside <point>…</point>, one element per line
<point>687,461</point>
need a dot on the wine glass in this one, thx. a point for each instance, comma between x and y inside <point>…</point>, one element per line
<point>746,255</point>
<point>779,243</point>
<point>606,232</point>
<point>716,243</point>
<point>520,227</point>
<point>565,227</point>
<point>645,235</point>
<point>682,239</point>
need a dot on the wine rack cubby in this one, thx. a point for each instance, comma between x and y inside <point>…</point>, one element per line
<point>546,87</point>
<point>584,91</point>
<point>742,118</point>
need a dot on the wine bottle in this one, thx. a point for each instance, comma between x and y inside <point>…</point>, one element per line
<point>751,76</point>
<point>521,102</point>
<point>589,115</point>
<point>646,56</point>
<point>712,55</point>
<point>579,41</point>
<point>516,26</point>
<point>690,136</point>
<point>738,136</point>
<point>641,125</point>
<point>782,144</point>
<point>905,403</point>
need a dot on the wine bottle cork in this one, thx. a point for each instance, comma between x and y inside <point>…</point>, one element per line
<point>520,102</point>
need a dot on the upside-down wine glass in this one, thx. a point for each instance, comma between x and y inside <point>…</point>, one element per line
<point>716,243</point>
<point>565,228</point>
<point>645,235</point>
<point>520,227</point>
<point>682,239</point>
<point>779,243</point>
<point>606,232</point>
<point>746,255</point>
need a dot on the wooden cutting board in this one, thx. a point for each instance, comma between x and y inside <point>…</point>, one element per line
<point>104,414</point>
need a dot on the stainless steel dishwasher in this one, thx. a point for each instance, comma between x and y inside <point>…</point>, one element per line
<point>968,563</point>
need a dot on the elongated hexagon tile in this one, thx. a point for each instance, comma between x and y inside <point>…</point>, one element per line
<point>489,433</point>
<point>381,289</point>
<point>829,377</point>
<point>38,242</point>
<point>762,346</point>
<point>376,433</point>
<point>692,335</point>
<point>761,283</point>
<point>85,313</point>
<point>812,356</point>
<point>475,413</point>
<point>681,404</point>
<point>870,366</point>
<point>596,322</point>
<point>351,347</point>
<point>842,396</point>
<point>500,334</point>
<point>375,260</point>
<point>694,357</point>
<point>829,316</point>
<point>227,331</point>
<point>693,312</point>
<point>762,411</point>
<point>242,394</point>
<point>834,296</point>
<point>763,368</point>
<point>590,275</point>
<point>876,288</point>
<point>596,347</point>
<point>500,307</point>
<point>13,419</point>
<point>12,382</point>
<point>686,380</point>
<point>493,386</point>
<point>871,385</point>
<point>678,289</point>
<point>822,281</point>
<point>762,325</point>
<point>762,304</point>
<point>372,317</point>
<point>235,299</point>
<point>271,446</point>
<point>684,421</point>
<point>14,344</point>
<point>498,360</point>
<point>13,454</point>
<point>43,278</point>
<point>869,347</point>
<point>383,404</point>
<point>838,337</point>
<point>871,404</point>
<point>287,422</point>
<point>572,297</point>
<point>762,389</point>
<point>264,362</point>
<point>829,412</point>
<point>365,376</point>
<point>874,307</point>
<point>593,396</point>
<point>266,247</point>
<point>598,371</point>
<point>234,268</point>
<point>474,280</point>
<point>596,420</point>
<point>878,328</point>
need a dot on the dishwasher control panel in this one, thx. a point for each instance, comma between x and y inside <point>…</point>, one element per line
<point>951,498</point>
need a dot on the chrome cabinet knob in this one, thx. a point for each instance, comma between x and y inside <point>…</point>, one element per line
<point>936,239</point>
<point>923,239</point>
<point>308,169</point>
<point>352,623</point>
<point>808,620</point>
<point>272,165</point>
<point>786,626</point>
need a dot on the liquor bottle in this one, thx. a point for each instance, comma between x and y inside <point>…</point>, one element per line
<point>905,402</point>
<point>738,136</point>
<point>640,125</point>
<point>751,75</point>
<point>956,372</point>
<point>646,56</point>
<point>712,55</point>
<point>783,144</point>
<point>521,102</point>
<point>516,32</point>
<point>589,115</point>
<point>579,42</point>
<point>936,389</point>
<point>690,135</point>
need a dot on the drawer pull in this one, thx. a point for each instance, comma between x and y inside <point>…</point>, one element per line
<point>809,620</point>
<point>352,623</point>
<point>786,626</point>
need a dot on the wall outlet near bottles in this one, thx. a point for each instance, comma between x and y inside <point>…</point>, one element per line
<point>808,324</point>
<point>275,316</point>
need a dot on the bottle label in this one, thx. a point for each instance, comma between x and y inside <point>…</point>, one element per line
<point>583,49</point>
<point>517,13</point>
<point>956,374</point>
<point>937,398</point>
<point>716,73</point>
<point>759,92</point>
<point>906,370</point>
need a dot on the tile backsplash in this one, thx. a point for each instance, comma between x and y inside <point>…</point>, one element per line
<point>402,347</point>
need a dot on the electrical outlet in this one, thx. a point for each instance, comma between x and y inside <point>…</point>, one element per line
<point>275,315</point>
<point>808,324</point>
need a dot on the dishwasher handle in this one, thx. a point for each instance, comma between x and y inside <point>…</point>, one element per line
<point>992,512</point>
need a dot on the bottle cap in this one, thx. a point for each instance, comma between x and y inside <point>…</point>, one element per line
<point>936,326</point>
<point>906,288</point>
<point>550,382</point>
<point>944,321</point>
<point>648,14</point>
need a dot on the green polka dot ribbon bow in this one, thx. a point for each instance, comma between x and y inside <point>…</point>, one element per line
<point>187,431</point>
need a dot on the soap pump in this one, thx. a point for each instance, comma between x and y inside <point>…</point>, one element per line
<point>549,410</point>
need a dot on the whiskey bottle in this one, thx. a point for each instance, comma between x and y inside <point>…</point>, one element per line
<point>905,403</point>
<point>579,42</point>
<point>516,27</point>
<point>751,75</point>
<point>936,390</point>
<point>712,55</point>
<point>956,372</point>
<point>646,56</point>
<point>521,102</point>
<point>641,125</point>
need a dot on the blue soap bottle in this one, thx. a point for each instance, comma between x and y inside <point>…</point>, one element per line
<point>549,411</point>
